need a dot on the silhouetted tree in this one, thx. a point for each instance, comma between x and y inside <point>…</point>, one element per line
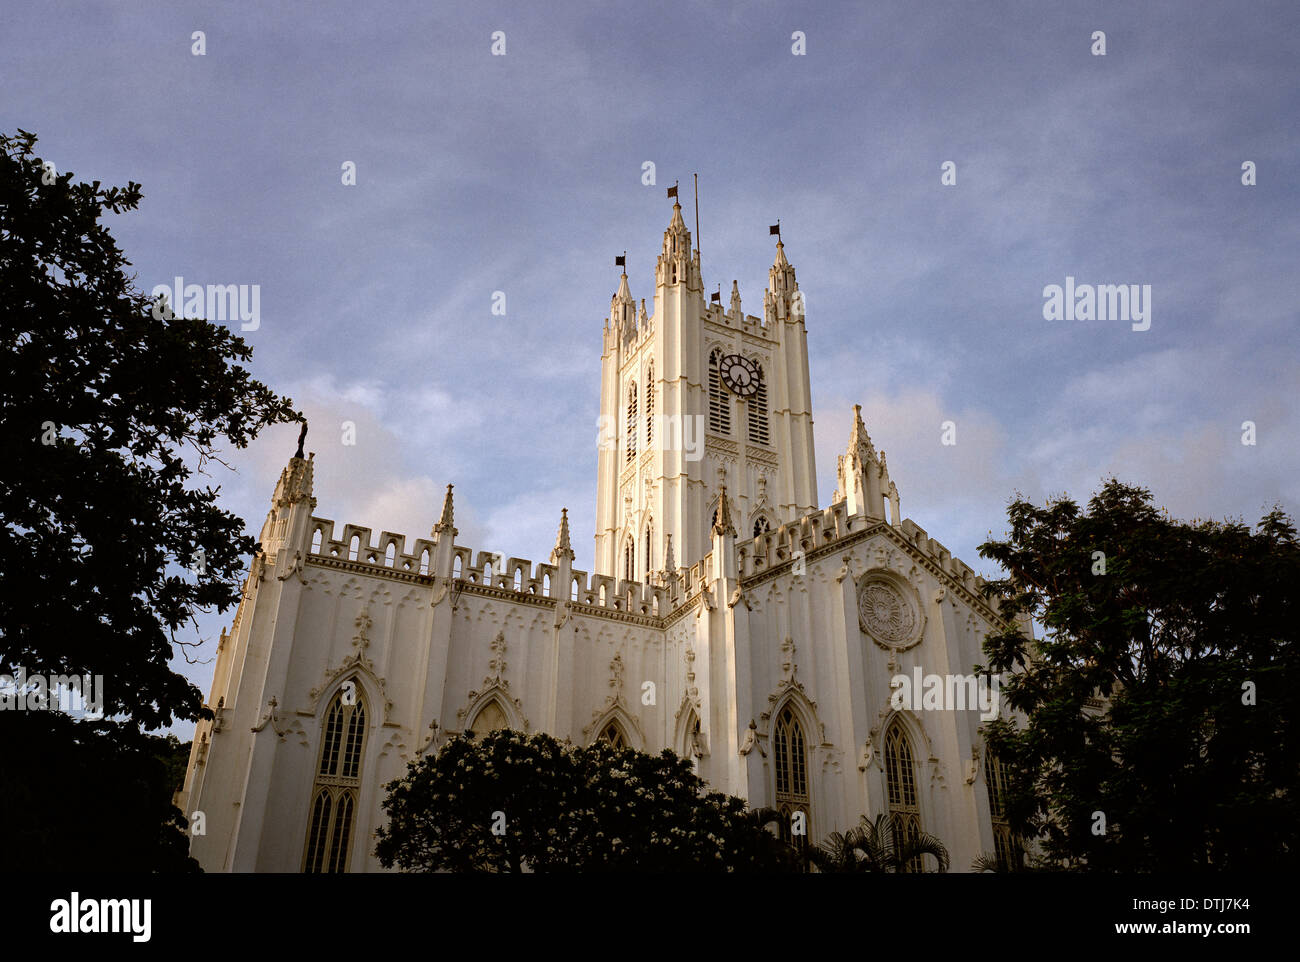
<point>1160,710</point>
<point>101,404</point>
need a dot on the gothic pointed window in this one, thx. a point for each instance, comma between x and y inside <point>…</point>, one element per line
<point>649,556</point>
<point>629,560</point>
<point>631,422</point>
<point>338,782</point>
<point>719,403</point>
<point>761,527</point>
<point>1006,846</point>
<point>490,718</point>
<point>900,786</point>
<point>791,762</point>
<point>649,407</point>
<point>613,735</point>
<point>757,407</point>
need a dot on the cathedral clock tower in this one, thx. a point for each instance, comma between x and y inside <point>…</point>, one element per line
<point>696,398</point>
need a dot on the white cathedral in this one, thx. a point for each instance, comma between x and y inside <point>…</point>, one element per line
<point>729,618</point>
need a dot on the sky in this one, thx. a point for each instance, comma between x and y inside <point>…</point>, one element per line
<point>523,173</point>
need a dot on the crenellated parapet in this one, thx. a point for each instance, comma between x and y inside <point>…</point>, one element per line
<point>355,547</point>
<point>487,572</point>
<point>830,530</point>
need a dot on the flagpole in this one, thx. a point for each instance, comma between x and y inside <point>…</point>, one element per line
<point>697,222</point>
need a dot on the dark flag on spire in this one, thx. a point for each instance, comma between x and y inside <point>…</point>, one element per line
<point>775,229</point>
<point>716,296</point>
<point>620,261</point>
<point>672,191</point>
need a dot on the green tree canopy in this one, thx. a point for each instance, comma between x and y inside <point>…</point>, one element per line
<point>1164,696</point>
<point>106,412</point>
<point>510,802</point>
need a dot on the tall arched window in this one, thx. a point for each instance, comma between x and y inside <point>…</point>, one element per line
<point>649,555</point>
<point>719,402</point>
<point>629,560</point>
<point>757,406</point>
<point>338,781</point>
<point>791,761</point>
<point>1006,847</point>
<point>650,407</point>
<point>631,421</point>
<point>900,785</point>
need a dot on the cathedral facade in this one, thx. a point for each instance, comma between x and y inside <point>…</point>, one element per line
<point>729,618</point>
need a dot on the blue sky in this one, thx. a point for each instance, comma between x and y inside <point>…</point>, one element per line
<point>522,173</point>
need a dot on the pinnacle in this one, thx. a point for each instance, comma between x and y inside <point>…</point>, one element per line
<point>780,256</point>
<point>859,440</point>
<point>562,542</point>
<point>677,224</point>
<point>723,525</point>
<point>445,523</point>
<point>624,294</point>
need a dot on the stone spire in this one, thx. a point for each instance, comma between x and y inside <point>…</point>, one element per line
<point>624,294</point>
<point>860,445</point>
<point>445,522</point>
<point>292,503</point>
<point>782,301</point>
<point>622,309</point>
<point>295,482</point>
<point>860,473</point>
<point>676,263</point>
<point>563,546</point>
<point>677,225</point>
<point>780,261</point>
<point>735,299</point>
<point>670,562</point>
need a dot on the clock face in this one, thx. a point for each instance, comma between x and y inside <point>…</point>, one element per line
<point>740,374</point>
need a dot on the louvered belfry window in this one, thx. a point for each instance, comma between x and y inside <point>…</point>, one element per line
<point>650,408</point>
<point>758,425</point>
<point>631,422</point>
<point>719,403</point>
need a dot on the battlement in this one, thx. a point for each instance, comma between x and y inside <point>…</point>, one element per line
<point>750,324</point>
<point>955,567</point>
<point>490,570</point>
<point>793,539</point>
<point>389,552</point>
<point>805,535</point>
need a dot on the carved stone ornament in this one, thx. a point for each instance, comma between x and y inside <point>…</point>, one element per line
<point>887,614</point>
